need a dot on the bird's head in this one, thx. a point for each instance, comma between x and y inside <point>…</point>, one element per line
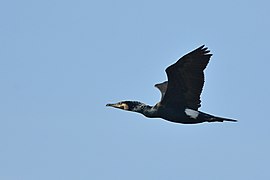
<point>134,106</point>
<point>127,105</point>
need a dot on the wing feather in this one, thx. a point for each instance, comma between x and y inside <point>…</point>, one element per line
<point>162,87</point>
<point>186,79</point>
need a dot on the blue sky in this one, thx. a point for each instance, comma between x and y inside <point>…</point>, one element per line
<point>62,61</point>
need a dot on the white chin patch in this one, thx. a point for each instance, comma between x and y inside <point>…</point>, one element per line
<point>192,113</point>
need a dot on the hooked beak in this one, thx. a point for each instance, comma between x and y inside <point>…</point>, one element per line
<point>112,105</point>
<point>119,105</point>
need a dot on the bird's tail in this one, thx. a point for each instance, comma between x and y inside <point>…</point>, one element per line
<point>221,119</point>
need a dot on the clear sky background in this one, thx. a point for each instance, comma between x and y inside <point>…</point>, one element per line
<point>62,61</point>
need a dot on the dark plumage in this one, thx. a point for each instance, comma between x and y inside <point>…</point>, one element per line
<point>180,95</point>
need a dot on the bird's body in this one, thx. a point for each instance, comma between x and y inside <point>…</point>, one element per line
<point>180,95</point>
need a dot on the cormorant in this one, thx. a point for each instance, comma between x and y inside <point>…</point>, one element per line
<point>180,95</point>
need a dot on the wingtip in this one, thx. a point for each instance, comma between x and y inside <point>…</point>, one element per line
<point>202,46</point>
<point>205,50</point>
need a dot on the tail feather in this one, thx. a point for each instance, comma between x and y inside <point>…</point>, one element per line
<point>211,118</point>
<point>221,119</point>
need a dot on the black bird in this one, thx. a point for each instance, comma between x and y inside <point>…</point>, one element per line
<point>180,95</point>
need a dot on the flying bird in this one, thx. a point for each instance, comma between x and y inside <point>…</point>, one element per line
<point>180,95</point>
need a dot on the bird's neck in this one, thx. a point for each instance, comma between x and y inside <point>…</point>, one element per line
<point>144,109</point>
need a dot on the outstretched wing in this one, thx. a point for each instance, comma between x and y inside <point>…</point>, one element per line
<point>186,80</point>
<point>162,88</point>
